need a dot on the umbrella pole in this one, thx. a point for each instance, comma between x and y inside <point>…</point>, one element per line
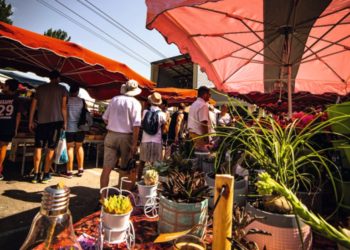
<point>290,91</point>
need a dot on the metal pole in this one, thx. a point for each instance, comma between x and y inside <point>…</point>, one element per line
<point>290,108</point>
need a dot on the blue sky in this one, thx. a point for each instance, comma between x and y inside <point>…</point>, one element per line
<point>32,15</point>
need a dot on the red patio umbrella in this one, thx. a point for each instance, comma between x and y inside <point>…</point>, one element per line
<point>28,51</point>
<point>253,45</point>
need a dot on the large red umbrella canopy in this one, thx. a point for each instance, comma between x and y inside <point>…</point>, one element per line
<point>28,51</point>
<point>246,46</point>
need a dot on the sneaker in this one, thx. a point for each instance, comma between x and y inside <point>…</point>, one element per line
<point>68,175</point>
<point>35,179</point>
<point>1,177</point>
<point>46,178</point>
<point>80,172</point>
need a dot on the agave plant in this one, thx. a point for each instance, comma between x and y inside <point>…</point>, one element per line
<point>117,204</point>
<point>178,162</point>
<point>162,167</point>
<point>188,187</point>
<point>240,221</point>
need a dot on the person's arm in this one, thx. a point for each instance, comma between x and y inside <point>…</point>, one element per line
<point>135,138</point>
<point>18,120</point>
<point>136,127</point>
<point>105,115</point>
<point>179,120</point>
<point>64,111</point>
<point>31,114</point>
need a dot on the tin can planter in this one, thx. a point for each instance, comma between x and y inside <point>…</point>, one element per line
<point>176,217</point>
<point>146,192</point>
<point>284,230</point>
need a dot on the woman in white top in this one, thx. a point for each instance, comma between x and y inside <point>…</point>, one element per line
<point>151,143</point>
<point>224,118</point>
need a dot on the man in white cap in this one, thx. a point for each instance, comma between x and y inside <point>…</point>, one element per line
<point>123,119</point>
<point>152,121</point>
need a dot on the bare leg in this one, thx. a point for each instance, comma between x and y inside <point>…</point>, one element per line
<point>80,155</point>
<point>37,159</point>
<point>140,170</point>
<point>3,148</point>
<point>70,157</point>
<point>104,180</point>
<point>48,160</point>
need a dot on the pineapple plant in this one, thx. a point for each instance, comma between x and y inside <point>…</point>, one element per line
<point>151,177</point>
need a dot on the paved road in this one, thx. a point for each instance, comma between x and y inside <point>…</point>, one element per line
<point>20,201</point>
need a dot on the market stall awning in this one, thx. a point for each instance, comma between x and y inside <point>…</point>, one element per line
<point>256,45</point>
<point>28,51</point>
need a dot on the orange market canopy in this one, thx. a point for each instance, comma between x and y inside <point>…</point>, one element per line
<point>28,51</point>
<point>256,45</point>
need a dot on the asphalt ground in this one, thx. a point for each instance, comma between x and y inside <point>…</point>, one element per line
<point>20,199</point>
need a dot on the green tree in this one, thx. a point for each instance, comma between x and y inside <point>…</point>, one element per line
<point>59,34</point>
<point>5,12</point>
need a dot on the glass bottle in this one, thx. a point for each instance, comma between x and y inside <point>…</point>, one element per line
<point>52,227</point>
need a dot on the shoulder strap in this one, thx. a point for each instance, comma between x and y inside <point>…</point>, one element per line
<point>84,103</point>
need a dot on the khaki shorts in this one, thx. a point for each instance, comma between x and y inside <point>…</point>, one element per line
<point>151,151</point>
<point>198,142</point>
<point>117,145</point>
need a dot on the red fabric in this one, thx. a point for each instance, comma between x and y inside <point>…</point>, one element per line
<point>29,51</point>
<point>206,29</point>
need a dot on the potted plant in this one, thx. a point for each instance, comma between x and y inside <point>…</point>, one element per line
<point>147,188</point>
<point>183,201</point>
<point>116,211</point>
<point>284,153</point>
<point>267,186</point>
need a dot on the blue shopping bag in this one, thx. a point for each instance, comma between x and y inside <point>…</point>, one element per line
<point>61,154</point>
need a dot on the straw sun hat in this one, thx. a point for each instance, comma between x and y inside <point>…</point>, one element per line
<point>155,98</point>
<point>131,88</point>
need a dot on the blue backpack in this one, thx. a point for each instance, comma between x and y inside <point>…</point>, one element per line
<point>150,122</point>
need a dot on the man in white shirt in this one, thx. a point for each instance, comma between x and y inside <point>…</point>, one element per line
<point>198,118</point>
<point>123,119</point>
<point>151,143</point>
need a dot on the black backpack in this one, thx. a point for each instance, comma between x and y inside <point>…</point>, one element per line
<point>150,122</point>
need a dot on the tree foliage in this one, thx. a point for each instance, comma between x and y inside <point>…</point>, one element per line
<point>5,12</point>
<point>59,34</point>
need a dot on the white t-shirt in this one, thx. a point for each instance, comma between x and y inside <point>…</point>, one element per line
<point>199,112</point>
<point>157,138</point>
<point>122,114</point>
<point>225,120</point>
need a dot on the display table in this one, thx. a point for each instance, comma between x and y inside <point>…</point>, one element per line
<point>145,230</point>
<point>28,141</point>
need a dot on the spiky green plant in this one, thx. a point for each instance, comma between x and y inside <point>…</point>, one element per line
<point>289,153</point>
<point>266,186</point>
<point>188,187</point>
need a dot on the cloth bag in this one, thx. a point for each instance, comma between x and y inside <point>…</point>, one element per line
<point>61,154</point>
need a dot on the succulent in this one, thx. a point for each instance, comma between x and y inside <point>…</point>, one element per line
<point>151,177</point>
<point>179,163</point>
<point>188,187</point>
<point>240,220</point>
<point>117,204</point>
<point>161,167</point>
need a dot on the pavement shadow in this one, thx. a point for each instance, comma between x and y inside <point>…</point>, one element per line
<point>14,229</point>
